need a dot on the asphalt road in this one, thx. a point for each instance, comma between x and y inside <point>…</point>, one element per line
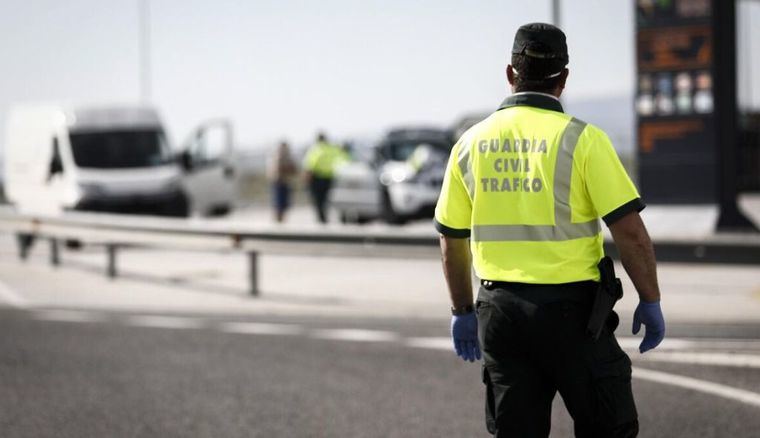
<point>334,347</point>
<point>88,373</point>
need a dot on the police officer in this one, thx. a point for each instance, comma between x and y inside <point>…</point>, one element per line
<point>520,201</point>
<point>320,163</point>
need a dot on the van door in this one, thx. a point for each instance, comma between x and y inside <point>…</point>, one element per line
<point>209,175</point>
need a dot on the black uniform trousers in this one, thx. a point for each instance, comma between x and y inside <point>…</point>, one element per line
<point>320,189</point>
<point>535,345</point>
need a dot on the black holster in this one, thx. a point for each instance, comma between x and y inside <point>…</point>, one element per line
<point>610,290</point>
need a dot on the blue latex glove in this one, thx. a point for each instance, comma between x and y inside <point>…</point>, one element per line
<point>464,333</point>
<point>650,315</point>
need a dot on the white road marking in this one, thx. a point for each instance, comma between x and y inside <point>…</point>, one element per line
<point>355,335</point>
<point>693,358</point>
<point>171,322</point>
<point>68,316</point>
<point>258,328</point>
<point>727,344</point>
<point>441,343</point>
<point>11,297</point>
<point>632,343</point>
<point>740,395</point>
<point>668,345</point>
<point>702,358</point>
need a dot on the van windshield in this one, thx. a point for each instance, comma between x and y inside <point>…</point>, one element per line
<point>402,150</point>
<point>120,149</point>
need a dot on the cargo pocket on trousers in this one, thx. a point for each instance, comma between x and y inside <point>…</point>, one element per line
<point>490,403</point>
<point>614,398</point>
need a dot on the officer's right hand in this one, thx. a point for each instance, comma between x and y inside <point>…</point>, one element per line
<point>464,333</point>
<point>649,314</point>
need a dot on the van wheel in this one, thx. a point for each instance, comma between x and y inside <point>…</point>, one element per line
<point>388,214</point>
<point>177,207</point>
<point>220,210</point>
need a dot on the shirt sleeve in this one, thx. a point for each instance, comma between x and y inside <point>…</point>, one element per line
<point>611,190</point>
<point>453,213</point>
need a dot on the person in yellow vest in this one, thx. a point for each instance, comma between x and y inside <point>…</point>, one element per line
<point>319,164</point>
<point>521,201</point>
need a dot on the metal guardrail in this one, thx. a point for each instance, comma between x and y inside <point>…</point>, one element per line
<point>118,232</point>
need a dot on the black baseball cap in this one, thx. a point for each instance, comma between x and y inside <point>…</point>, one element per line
<point>542,41</point>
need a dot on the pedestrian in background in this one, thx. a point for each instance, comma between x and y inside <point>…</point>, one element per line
<point>319,164</point>
<point>281,169</point>
<point>521,201</point>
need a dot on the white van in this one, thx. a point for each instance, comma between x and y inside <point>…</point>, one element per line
<point>115,160</point>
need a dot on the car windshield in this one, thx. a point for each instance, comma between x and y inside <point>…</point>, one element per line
<point>120,149</point>
<point>402,150</point>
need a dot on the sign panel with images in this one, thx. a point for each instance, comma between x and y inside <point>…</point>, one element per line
<point>674,101</point>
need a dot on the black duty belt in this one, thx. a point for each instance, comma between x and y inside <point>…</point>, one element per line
<point>579,291</point>
<point>491,284</point>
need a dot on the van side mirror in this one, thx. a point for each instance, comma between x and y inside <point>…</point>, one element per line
<point>185,159</point>
<point>56,164</point>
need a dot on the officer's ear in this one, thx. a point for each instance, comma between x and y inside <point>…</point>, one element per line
<point>563,78</point>
<point>510,75</point>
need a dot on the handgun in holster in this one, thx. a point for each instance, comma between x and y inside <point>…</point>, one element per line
<point>609,291</point>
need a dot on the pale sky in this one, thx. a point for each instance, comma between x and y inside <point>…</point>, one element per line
<point>285,68</point>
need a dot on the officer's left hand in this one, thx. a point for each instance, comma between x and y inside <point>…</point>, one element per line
<point>464,333</point>
<point>649,314</point>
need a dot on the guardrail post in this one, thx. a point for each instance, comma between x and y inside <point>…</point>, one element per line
<point>253,273</point>
<point>55,256</point>
<point>111,270</point>
<point>24,242</point>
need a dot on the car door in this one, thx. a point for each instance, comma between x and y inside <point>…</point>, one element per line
<point>209,175</point>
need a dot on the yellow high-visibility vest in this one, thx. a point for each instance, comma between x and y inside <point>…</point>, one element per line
<point>323,158</point>
<point>527,186</point>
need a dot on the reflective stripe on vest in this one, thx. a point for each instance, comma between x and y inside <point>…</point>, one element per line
<point>563,228</point>
<point>463,159</point>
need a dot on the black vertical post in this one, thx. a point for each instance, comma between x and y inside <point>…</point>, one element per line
<point>726,126</point>
<point>25,242</point>
<point>253,273</point>
<point>55,256</point>
<point>111,269</point>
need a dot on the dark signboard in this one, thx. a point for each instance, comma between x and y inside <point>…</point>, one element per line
<point>675,101</point>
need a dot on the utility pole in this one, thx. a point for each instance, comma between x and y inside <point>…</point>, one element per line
<point>556,13</point>
<point>726,126</point>
<point>144,49</point>
<point>556,21</point>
